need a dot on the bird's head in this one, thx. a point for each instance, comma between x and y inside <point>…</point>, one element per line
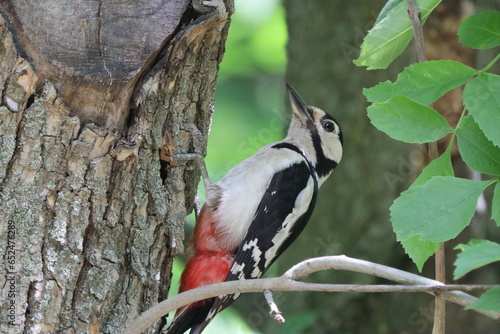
<point>316,133</point>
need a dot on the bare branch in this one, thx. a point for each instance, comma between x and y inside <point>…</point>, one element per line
<point>440,303</point>
<point>274,312</point>
<point>288,282</point>
<point>417,31</point>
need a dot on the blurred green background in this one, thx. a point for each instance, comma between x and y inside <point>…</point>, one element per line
<point>351,216</point>
<point>249,110</point>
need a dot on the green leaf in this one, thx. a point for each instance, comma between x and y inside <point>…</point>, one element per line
<point>437,210</point>
<point>476,150</point>
<point>495,204</point>
<point>388,7</point>
<point>403,119</point>
<point>482,99</point>
<point>475,254</point>
<point>439,167</point>
<point>481,31</point>
<point>419,251</point>
<point>423,82</point>
<point>489,301</point>
<point>391,34</point>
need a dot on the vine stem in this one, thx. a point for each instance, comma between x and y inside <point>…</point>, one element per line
<point>497,58</point>
<point>440,303</point>
<point>417,31</point>
<point>289,282</point>
<point>440,256</point>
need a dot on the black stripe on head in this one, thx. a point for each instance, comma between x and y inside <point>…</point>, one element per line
<point>341,137</point>
<point>324,166</point>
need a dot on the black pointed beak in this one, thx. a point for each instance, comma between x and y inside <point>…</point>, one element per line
<point>298,105</point>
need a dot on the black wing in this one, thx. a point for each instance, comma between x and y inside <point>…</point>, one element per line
<point>258,250</point>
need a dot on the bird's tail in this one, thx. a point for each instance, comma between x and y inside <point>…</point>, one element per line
<point>191,317</point>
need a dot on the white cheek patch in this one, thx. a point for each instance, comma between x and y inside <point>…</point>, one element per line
<point>331,146</point>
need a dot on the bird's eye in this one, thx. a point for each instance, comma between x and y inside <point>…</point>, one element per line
<point>328,126</point>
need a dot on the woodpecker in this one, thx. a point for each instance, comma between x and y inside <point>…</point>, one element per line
<point>257,210</point>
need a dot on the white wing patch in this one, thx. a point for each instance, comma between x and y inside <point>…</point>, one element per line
<point>238,268</point>
<point>300,207</point>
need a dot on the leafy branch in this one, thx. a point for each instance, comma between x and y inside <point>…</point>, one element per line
<point>438,206</point>
<point>289,281</point>
<point>440,259</point>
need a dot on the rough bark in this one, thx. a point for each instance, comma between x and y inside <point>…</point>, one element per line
<point>93,226</point>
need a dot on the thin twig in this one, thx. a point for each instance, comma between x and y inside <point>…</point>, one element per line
<point>432,148</point>
<point>288,282</point>
<point>440,263</point>
<point>417,31</point>
<point>440,303</point>
<point>274,312</point>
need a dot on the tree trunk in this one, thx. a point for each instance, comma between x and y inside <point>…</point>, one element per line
<point>89,107</point>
